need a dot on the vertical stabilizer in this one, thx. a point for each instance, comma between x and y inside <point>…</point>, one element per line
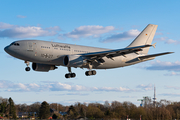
<point>145,37</point>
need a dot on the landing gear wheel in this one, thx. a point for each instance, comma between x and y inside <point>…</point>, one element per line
<point>67,76</point>
<point>73,75</point>
<point>93,72</point>
<point>27,68</point>
<point>70,75</point>
<point>89,73</point>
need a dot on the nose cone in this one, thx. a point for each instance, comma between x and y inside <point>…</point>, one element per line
<point>6,49</point>
<point>9,50</point>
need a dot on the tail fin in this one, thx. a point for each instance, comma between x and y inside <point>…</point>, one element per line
<point>145,38</point>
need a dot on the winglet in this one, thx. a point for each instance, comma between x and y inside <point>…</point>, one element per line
<point>154,45</point>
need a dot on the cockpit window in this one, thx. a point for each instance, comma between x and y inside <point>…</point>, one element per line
<point>17,44</point>
<point>14,43</point>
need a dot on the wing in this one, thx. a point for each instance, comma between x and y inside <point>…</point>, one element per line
<point>147,57</point>
<point>153,55</point>
<point>113,53</point>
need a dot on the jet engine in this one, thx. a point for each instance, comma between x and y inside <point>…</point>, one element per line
<point>43,67</point>
<point>74,61</point>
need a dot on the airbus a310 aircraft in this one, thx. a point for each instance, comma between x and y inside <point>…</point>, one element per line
<point>47,56</point>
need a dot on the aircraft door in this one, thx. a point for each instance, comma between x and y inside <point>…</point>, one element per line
<point>29,46</point>
<point>32,48</point>
<point>35,49</point>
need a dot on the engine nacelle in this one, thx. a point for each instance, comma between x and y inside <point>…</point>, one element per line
<point>74,61</point>
<point>43,67</point>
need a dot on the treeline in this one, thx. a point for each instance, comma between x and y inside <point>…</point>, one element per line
<point>162,110</point>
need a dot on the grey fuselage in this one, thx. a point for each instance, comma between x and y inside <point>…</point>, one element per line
<point>52,53</point>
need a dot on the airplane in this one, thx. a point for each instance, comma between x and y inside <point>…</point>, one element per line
<point>46,55</point>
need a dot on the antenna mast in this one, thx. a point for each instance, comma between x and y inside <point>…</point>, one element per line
<point>154,99</point>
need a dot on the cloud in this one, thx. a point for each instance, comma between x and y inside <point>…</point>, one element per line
<point>19,87</point>
<point>158,33</point>
<point>128,96</point>
<point>14,31</point>
<point>67,87</point>
<point>171,41</point>
<point>167,41</point>
<point>172,74</point>
<point>161,39</point>
<point>172,87</point>
<point>55,28</point>
<point>172,67</point>
<point>171,94</point>
<point>5,84</point>
<point>81,94</point>
<point>160,65</point>
<point>145,87</point>
<point>88,31</point>
<point>73,93</point>
<point>122,36</point>
<point>54,86</point>
<point>21,16</point>
<point>6,26</point>
<point>120,89</point>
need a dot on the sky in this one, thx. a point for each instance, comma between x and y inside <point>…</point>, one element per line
<point>103,23</point>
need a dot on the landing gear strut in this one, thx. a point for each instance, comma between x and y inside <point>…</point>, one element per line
<point>27,68</point>
<point>70,74</point>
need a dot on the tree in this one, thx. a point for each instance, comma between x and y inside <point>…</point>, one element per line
<point>72,112</point>
<point>54,116</point>
<point>44,110</point>
<point>106,104</point>
<point>35,108</point>
<point>94,112</point>
<point>4,107</point>
<point>12,109</point>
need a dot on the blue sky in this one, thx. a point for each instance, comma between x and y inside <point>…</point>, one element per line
<point>102,23</point>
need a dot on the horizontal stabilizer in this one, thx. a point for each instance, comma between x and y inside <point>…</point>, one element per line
<point>154,45</point>
<point>153,55</point>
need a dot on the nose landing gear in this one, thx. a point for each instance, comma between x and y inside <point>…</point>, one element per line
<point>27,68</point>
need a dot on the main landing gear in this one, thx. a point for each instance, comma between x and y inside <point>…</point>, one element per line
<point>27,68</point>
<point>70,74</point>
<point>89,73</point>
